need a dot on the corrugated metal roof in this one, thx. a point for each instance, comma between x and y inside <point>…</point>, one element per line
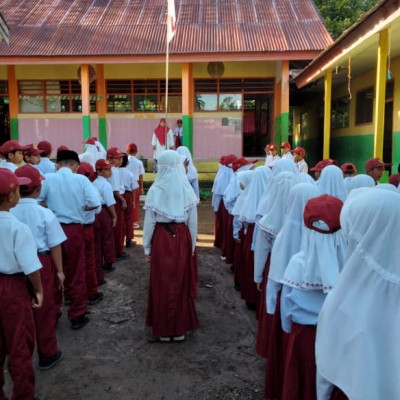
<point>128,27</point>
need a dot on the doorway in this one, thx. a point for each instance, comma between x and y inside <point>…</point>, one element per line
<point>4,120</point>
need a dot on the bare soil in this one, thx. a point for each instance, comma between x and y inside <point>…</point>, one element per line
<point>110,358</point>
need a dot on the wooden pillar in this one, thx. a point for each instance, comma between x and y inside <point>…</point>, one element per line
<point>327,112</point>
<point>101,104</point>
<point>85,100</point>
<point>187,105</point>
<point>379,104</point>
<point>14,101</point>
<point>284,134</point>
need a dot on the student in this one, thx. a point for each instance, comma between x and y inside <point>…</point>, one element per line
<point>357,334</point>
<point>169,239</point>
<point>135,165</point>
<point>93,294</point>
<point>331,182</point>
<point>18,261</point>
<point>274,157</point>
<point>162,139</point>
<point>268,155</point>
<point>12,152</point>
<point>349,170</point>
<point>178,134</point>
<point>48,235</point>
<point>69,196</point>
<point>130,186</point>
<point>360,180</point>
<point>192,173</point>
<point>375,169</point>
<point>32,155</point>
<point>46,165</point>
<point>92,152</point>
<point>298,156</point>
<point>114,156</point>
<point>309,276</point>
<point>107,219</point>
<point>285,151</point>
<point>394,179</point>
<point>317,169</point>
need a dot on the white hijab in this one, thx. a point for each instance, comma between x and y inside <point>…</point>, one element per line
<point>91,155</point>
<point>281,166</point>
<point>244,178</point>
<point>192,171</point>
<point>279,189</point>
<point>306,178</point>
<point>331,182</point>
<point>287,242</point>
<point>253,193</point>
<point>171,194</point>
<point>357,345</point>
<point>101,150</point>
<point>361,180</point>
<point>222,179</point>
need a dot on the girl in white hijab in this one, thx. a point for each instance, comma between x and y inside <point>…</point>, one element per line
<point>361,180</point>
<point>192,173</point>
<point>169,239</point>
<point>331,182</point>
<point>309,276</point>
<point>93,152</point>
<point>357,337</point>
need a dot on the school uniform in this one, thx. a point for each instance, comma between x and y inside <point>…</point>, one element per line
<point>130,186</point>
<point>9,165</point>
<point>104,234</point>
<point>119,230</point>
<point>287,156</point>
<point>136,167</point>
<point>67,194</point>
<point>17,342</point>
<point>45,166</point>
<point>48,234</point>
<point>302,166</point>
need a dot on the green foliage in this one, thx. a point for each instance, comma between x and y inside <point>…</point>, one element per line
<point>338,15</point>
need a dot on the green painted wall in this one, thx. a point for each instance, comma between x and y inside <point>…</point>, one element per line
<point>187,126</point>
<point>277,136</point>
<point>14,128</point>
<point>396,152</point>
<point>86,127</point>
<point>313,150</point>
<point>103,131</point>
<point>284,127</point>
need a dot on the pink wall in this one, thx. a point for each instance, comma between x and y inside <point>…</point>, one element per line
<point>211,139</point>
<point>57,131</point>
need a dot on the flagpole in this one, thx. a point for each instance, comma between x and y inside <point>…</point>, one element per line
<point>166,72</point>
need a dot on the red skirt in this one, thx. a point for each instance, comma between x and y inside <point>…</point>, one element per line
<point>300,368</point>
<point>264,319</point>
<point>170,307</point>
<point>249,288</point>
<point>218,226</point>
<point>238,266</point>
<point>230,242</point>
<point>276,356</point>
<point>337,394</point>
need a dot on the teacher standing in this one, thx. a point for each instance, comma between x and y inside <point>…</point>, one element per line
<point>163,139</point>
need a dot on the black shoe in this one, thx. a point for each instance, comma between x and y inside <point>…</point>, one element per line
<point>130,243</point>
<point>49,362</point>
<point>237,287</point>
<point>123,256</point>
<point>80,322</point>
<point>103,282</point>
<point>108,267</point>
<point>96,299</point>
<point>67,302</point>
<point>250,306</point>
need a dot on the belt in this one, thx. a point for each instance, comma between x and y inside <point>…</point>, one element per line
<point>44,253</point>
<point>16,274</point>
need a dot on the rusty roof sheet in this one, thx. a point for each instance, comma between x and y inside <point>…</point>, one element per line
<point>58,28</point>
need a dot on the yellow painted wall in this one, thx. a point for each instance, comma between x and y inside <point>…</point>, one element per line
<point>395,71</point>
<point>315,127</point>
<point>46,71</point>
<point>3,72</point>
<point>141,71</point>
<point>256,69</point>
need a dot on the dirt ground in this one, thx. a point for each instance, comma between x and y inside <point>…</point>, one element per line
<point>110,357</point>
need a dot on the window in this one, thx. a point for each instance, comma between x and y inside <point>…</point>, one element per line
<point>340,113</point>
<point>364,106</point>
<point>53,96</point>
<point>227,94</point>
<point>147,95</point>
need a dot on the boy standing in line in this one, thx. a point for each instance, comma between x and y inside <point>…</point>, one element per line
<point>18,261</point>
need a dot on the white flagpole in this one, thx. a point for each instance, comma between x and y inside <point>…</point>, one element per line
<point>167,73</point>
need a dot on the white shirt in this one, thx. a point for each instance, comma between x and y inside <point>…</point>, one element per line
<point>169,144</point>
<point>17,247</point>
<point>287,156</point>
<point>136,167</point>
<point>105,190</point>
<point>128,180</point>
<point>45,166</point>
<point>42,222</point>
<point>116,181</point>
<point>302,166</point>
<point>9,165</point>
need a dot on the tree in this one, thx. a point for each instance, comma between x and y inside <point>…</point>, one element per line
<point>338,15</point>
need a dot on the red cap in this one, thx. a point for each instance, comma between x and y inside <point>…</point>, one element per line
<point>273,147</point>
<point>131,148</point>
<point>322,164</point>
<point>286,144</point>
<point>324,208</point>
<point>299,150</point>
<point>241,162</point>
<point>91,140</point>
<point>394,179</point>
<point>222,160</point>
<point>103,164</point>
<point>229,159</point>
<point>267,147</point>
<point>12,145</point>
<point>114,152</point>
<point>85,169</point>
<point>27,171</point>
<point>45,146</point>
<point>62,147</point>
<point>9,181</point>
<point>33,151</point>
<point>374,163</point>
<point>348,167</point>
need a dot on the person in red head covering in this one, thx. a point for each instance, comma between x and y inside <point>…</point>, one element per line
<point>163,139</point>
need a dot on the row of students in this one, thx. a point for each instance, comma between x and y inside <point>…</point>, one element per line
<point>299,253</point>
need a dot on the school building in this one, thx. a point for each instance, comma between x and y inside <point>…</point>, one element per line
<point>79,68</point>
<point>348,102</point>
